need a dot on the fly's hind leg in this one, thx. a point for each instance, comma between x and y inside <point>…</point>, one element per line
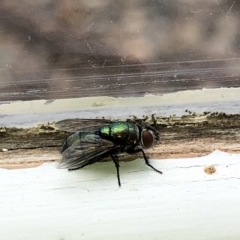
<point>116,162</point>
<point>145,158</point>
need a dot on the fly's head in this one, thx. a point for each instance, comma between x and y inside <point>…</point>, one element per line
<point>149,136</point>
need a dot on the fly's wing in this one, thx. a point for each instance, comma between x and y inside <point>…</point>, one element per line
<point>73,125</point>
<point>85,151</point>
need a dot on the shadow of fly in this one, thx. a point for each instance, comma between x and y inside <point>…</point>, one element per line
<point>92,144</point>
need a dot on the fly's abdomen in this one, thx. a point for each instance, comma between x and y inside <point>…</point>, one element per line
<point>121,132</point>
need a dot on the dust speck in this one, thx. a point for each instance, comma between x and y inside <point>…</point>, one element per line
<point>210,169</point>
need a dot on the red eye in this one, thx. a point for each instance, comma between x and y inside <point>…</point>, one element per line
<point>147,139</point>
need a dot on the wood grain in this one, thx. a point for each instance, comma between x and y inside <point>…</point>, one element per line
<point>188,136</point>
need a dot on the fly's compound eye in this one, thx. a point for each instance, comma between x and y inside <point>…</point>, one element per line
<point>147,139</point>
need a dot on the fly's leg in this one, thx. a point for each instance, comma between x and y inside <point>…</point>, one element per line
<point>116,162</point>
<point>145,158</point>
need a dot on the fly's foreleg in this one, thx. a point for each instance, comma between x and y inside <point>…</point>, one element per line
<point>145,158</point>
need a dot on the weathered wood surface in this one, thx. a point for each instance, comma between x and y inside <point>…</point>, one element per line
<point>190,135</point>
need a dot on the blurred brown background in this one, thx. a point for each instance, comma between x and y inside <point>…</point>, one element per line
<point>77,48</point>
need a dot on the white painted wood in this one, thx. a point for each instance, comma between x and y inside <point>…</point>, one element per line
<point>31,113</point>
<point>183,203</point>
<point>207,96</point>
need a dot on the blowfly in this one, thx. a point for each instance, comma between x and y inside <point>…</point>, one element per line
<point>90,145</point>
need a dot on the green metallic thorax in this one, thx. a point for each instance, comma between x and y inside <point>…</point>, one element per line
<point>122,133</point>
